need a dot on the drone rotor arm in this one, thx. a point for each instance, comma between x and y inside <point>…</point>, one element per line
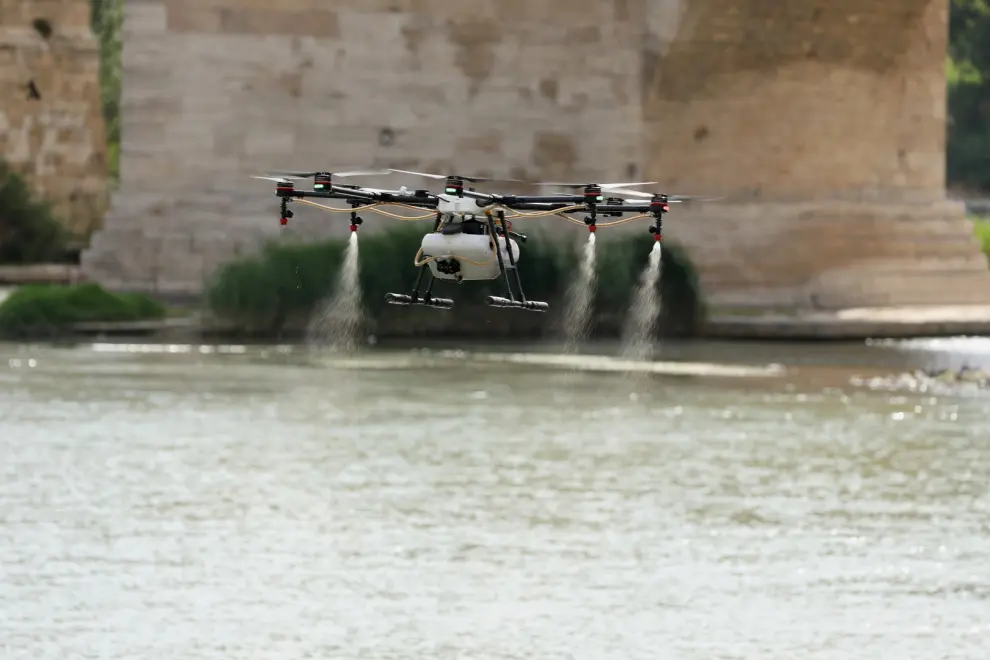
<point>354,192</point>
<point>486,199</point>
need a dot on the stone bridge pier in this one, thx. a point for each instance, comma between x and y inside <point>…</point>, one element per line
<point>822,122</point>
<point>51,124</point>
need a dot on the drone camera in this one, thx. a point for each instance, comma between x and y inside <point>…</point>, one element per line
<point>449,266</point>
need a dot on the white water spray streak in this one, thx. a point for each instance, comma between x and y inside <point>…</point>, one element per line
<point>637,336</point>
<point>580,301</point>
<point>337,322</point>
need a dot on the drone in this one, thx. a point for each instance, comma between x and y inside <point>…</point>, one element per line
<point>472,238</point>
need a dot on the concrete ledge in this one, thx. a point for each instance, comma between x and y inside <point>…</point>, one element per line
<point>854,324</point>
<point>850,324</point>
<point>41,274</point>
<point>128,327</point>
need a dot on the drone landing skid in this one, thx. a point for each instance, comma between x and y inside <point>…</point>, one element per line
<point>511,302</point>
<point>426,301</point>
<point>530,305</point>
<point>516,300</point>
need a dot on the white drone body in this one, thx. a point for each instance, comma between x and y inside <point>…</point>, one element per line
<point>466,243</point>
<point>463,249</point>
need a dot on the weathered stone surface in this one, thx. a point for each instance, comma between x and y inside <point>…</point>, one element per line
<point>810,97</point>
<point>56,137</point>
<point>826,118</point>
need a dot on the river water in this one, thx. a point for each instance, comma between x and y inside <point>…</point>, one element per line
<point>263,502</point>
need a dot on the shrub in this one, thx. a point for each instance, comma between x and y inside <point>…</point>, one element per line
<point>29,232</point>
<point>621,263</point>
<point>286,281</point>
<point>982,227</point>
<point>50,309</point>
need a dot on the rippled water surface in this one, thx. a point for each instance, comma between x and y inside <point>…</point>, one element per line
<point>259,503</point>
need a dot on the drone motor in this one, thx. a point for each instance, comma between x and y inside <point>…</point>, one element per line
<point>658,207</point>
<point>323,181</point>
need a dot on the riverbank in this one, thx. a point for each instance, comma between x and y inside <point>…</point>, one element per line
<point>501,325</point>
<point>192,320</point>
<point>854,324</point>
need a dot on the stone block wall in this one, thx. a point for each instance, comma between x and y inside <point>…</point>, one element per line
<point>51,122</point>
<point>785,107</point>
<point>800,99</point>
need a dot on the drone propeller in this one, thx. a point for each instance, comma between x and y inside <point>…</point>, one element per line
<point>673,199</point>
<point>289,174</point>
<point>603,186</point>
<point>473,179</point>
<point>276,179</point>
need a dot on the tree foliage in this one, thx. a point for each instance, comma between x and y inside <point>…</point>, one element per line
<point>107,22</point>
<point>968,164</point>
<point>29,230</point>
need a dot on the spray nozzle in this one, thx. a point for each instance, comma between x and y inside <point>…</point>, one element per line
<point>592,228</point>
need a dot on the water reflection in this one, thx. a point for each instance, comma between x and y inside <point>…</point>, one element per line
<point>264,503</point>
